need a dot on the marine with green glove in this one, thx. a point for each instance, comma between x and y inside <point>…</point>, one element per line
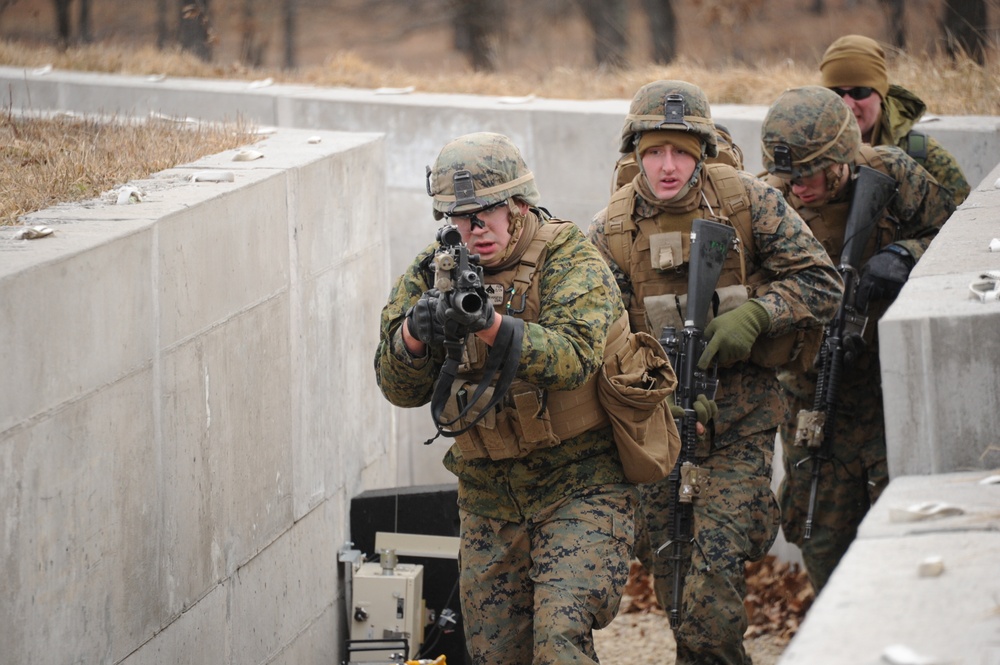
<point>812,149</point>
<point>775,286</point>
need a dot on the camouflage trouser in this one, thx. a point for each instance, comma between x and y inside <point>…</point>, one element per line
<point>533,592</point>
<point>847,488</point>
<point>735,521</point>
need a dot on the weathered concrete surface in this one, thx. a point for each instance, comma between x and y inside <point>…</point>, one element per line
<point>941,350</point>
<point>876,600</point>
<point>177,445</point>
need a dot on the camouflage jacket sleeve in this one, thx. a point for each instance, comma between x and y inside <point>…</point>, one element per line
<point>803,286</point>
<point>920,207</point>
<point>405,380</point>
<point>943,166</point>
<point>579,302</point>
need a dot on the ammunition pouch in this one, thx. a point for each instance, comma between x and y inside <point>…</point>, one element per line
<point>633,386</point>
<point>516,426</point>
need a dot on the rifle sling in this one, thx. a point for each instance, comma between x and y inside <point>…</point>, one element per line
<point>504,356</point>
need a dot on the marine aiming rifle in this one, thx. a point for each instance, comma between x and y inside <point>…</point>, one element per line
<point>872,192</point>
<point>710,241</point>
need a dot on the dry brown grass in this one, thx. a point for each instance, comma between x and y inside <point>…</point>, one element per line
<point>44,161</point>
<point>948,87</point>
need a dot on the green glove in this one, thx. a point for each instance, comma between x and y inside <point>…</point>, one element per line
<point>731,335</point>
<point>705,409</point>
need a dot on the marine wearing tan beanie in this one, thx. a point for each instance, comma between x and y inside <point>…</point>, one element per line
<point>854,61</point>
<point>685,141</point>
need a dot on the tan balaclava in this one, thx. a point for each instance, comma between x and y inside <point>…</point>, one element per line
<point>855,62</point>
<point>684,141</point>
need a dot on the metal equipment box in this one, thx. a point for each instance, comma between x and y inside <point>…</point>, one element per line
<point>388,605</point>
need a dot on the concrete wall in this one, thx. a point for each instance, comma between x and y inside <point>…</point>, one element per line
<point>941,350</point>
<point>178,443</point>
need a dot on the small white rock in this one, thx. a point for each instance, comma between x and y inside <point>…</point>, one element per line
<point>932,566</point>
<point>247,156</point>
<point>128,194</point>
<point>213,176</point>
<point>995,245</point>
<point>314,139</point>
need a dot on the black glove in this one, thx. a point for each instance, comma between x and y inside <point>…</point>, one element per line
<point>854,346</point>
<point>425,319</point>
<point>884,275</point>
<point>459,322</point>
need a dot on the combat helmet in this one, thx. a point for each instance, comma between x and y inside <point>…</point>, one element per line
<point>476,171</point>
<point>675,105</point>
<point>807,130</point>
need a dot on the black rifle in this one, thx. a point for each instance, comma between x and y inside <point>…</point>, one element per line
<point>458,277</point>
<point>710,241</point>
<point>872,192</point>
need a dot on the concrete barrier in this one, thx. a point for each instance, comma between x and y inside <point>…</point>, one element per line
<point>186,408</point>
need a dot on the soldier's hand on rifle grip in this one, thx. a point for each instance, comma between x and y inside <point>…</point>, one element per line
<point>731,335</point>
<point>854,346</point>
<point>884,275</point>
<point>424,319</point>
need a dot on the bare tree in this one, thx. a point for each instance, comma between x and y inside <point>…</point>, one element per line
<point>663,29</point>
<point>251,47</point>
<point>478,31</point>
<point>63,27</point>
<point>963,28</point>
<point>194,28</point>
<point>607,19</point>
<point>290,16</point>
<point>83,24</point>
<point>895,21</point>
<point>162,25</point>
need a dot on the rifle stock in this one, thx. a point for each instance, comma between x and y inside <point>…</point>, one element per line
<point>873,190</point>
<point>710,241</point>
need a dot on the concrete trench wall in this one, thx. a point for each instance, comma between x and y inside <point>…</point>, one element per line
<point>178,443</point>
<point>250,511</point>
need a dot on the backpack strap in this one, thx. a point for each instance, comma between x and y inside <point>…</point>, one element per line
<point>619,228</point>
<point>532,258</point>
<point>735,207</point>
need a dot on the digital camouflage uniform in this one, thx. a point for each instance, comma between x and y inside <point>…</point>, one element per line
<point>736,518</point>
<point>546,539</point>
<point>806,120</point>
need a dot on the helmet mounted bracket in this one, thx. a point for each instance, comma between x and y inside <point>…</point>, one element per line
<point>673,109</point>
<point>782,159</point>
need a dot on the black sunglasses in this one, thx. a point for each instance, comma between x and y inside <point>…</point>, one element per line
<point>854,93</point>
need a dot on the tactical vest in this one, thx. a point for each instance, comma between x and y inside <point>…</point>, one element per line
<point>529,417</point>
<point>654,251</point>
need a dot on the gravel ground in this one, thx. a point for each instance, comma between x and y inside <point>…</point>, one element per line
<point>644,638</point>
